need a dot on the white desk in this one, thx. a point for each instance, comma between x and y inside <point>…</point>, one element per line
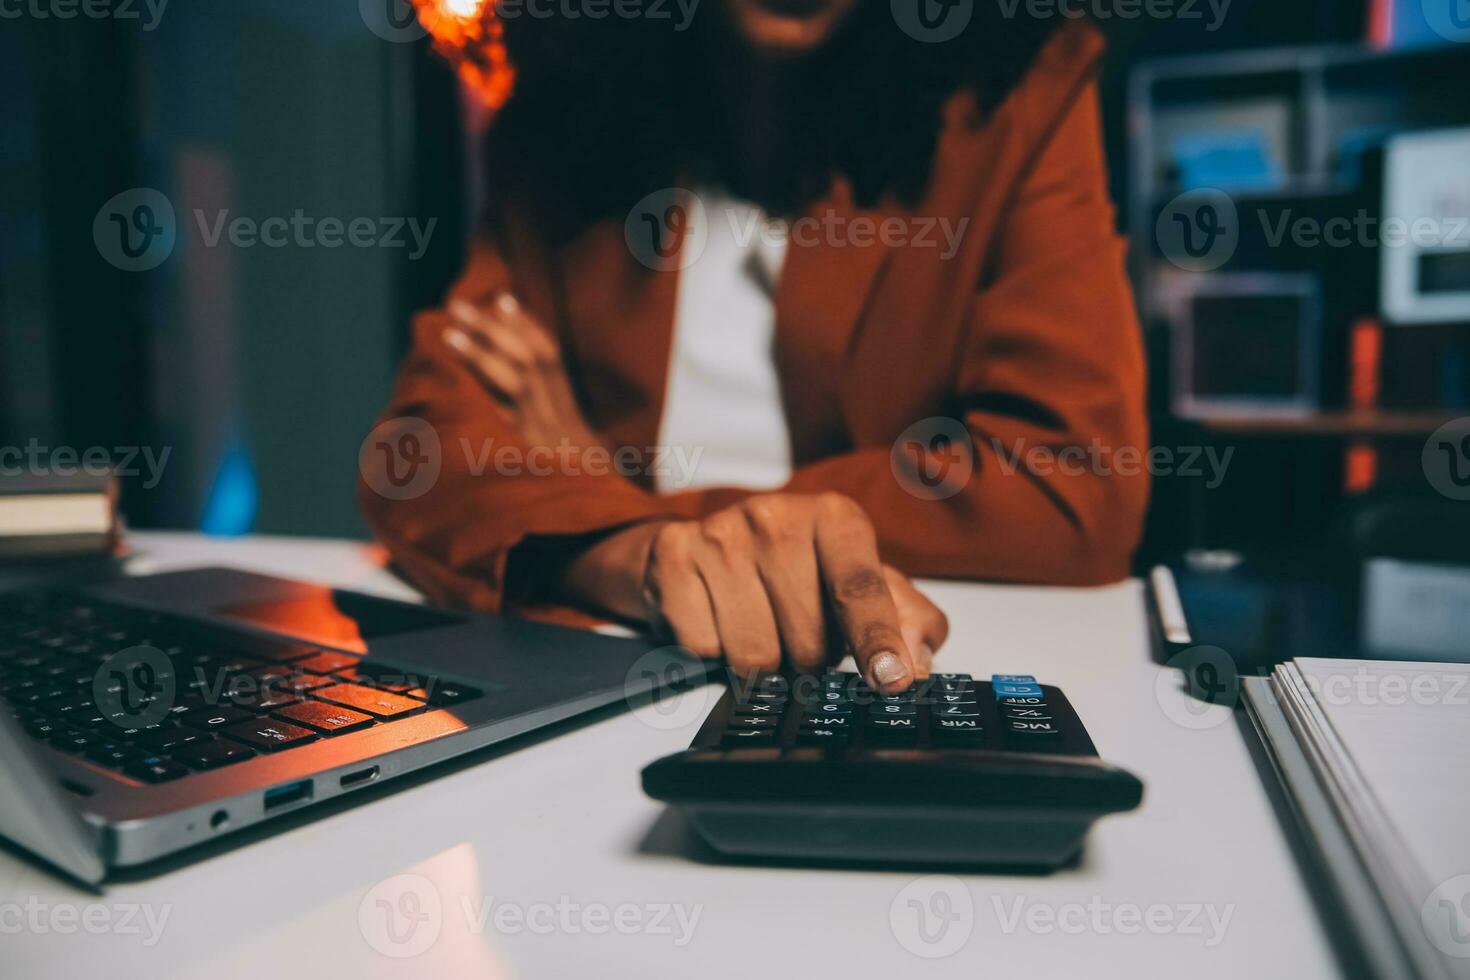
<point>562,820</point>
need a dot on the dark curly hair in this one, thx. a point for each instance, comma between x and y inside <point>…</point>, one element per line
<point>605,111</point>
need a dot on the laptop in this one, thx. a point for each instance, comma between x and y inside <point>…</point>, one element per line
<point>145,716</point>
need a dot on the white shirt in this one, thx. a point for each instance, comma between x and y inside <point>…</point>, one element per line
<point>723,423</point>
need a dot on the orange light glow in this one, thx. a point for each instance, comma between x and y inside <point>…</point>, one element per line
<point>469,36</point>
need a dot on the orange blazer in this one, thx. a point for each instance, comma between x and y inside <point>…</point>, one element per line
<point>1027,334</point>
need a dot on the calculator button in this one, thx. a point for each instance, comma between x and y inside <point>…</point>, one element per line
<point>822,736</point>
<point>751,721</point>
<point>776,697</point>
<point>1033,713</point>
<point>826,722</point>
<point>1012,679</point>
<point>892,711</point>
<point>1016,690</point>
<point>893,726</point>
<point>1032,728</point>
<point>828,708</point>
<point>961,697</point>
<point>752,736</point>
<point>1023,702</point>
<point>958,727</point>
<point>759,709</point>
<point>951,677</point>
<point>955,711</point>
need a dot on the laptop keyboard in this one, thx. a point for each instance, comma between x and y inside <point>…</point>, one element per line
<point>195,697</point>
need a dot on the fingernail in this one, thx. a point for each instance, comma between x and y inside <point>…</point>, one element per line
<point>888,670</point>
<point>456,339</point>
<point>462,309</point>
<point>507,303</point>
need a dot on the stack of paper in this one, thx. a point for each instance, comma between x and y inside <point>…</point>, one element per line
<point>1376,758</point>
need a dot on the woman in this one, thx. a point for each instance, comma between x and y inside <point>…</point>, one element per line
<point>867,279</point>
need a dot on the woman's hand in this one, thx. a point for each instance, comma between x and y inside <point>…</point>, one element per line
<point>518,359</point>
<point>798,574</point>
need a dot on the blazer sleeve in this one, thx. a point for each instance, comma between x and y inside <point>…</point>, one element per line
<point>1050,387</point>
<point>453,530</point>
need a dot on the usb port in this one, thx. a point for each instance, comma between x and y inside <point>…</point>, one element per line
<point>280,796</point>
<point>358,778</point>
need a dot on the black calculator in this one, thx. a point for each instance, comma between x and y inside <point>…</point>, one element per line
<point>952,772</point>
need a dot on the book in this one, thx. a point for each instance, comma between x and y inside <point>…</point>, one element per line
<point>1373,756</point>
<point>52,516</point>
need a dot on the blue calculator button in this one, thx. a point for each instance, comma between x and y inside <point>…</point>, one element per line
<point>1014,685</point>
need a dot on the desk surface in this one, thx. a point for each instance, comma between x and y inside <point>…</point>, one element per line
<point>548,861</point>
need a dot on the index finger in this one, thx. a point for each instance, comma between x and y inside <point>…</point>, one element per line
<point>847,551</point>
